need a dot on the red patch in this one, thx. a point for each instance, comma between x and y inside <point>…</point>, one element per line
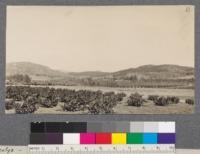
<point>103,138</point>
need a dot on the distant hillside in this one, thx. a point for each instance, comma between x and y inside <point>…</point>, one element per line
<point>145,72</point>
<point>40,72</point>
<point>89,74</point>
<point>157,72</point>
<point>31,69</point>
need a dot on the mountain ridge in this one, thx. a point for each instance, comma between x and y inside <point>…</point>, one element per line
<point>145,71</point>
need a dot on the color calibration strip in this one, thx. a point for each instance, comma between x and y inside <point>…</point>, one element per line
<point>103,133</point>
<point>103,138</point>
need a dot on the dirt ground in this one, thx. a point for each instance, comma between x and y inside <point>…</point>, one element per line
<point>150,108</point>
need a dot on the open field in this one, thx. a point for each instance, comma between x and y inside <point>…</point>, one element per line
<point>181,93</point>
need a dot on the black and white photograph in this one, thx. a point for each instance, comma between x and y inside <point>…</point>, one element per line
<point>100,59</point>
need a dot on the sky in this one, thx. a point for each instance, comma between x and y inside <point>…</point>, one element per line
<point>100,38</point>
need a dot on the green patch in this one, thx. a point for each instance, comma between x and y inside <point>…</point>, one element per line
<point>134,138</point>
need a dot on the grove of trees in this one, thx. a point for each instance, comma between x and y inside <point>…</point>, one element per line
<point>19,79</point>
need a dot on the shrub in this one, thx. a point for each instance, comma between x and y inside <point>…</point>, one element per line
<point>173,99</point>
<point>9,104</point>
<point>25,108</point>
<point>74,105</point>
<point>103,104</point>
<point>45,102</point>
<point>161,101</point>
<point>189,101</point>
<point>152,97</point>
<point>135,100</point>
<point>120,96</point>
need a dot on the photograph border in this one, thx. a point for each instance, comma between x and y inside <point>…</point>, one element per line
<point>176,58</point>
<point>187,126</point>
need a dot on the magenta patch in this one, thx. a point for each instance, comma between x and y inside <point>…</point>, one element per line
<point>87,138</point>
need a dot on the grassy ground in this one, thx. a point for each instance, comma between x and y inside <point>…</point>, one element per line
<point>181,93</point>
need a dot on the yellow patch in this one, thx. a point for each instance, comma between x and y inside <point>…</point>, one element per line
<point>118,138</point>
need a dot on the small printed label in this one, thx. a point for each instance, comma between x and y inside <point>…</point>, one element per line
<point>13,149</point>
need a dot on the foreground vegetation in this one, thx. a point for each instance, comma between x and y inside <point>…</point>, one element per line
<point>25,99</point>
<point>95,102</point>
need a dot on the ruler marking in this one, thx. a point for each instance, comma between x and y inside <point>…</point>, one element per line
<point>103,149</point>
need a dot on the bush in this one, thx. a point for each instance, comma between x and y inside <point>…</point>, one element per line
<point>173,99</point>
<point>80,100</point>
<point>189,101</point>
<point>120,96</point>
<point>45,102</point>
<point>50,100</point>
<point>152,97</point>
<point>135,100</point>
<point>9,104</point>
<point>25,108</point>
<point>161,101</point>
<point>104,104</point>
<point>74,105</point>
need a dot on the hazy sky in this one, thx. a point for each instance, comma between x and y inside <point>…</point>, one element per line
<point>106,38</point>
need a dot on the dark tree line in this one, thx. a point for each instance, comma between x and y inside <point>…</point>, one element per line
<point>19,78</point>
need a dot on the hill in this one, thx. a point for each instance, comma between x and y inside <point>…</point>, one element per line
<point>143,76</point>
<point>88,74</point>
<point>157,72</point>
<point>37,71</point>
<point>32,69</point>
